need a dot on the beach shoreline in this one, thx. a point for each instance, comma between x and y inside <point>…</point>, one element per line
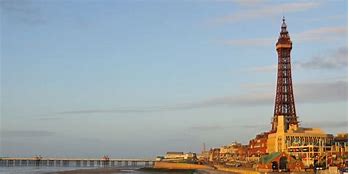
<point>89,171</point>
<point>145,170</point>
<point>120,170</point>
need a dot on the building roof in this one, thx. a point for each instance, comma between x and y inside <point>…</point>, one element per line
<point>307,130</point>
<point>341,137</point>
<point>174,153</point>
<point>269,158</point>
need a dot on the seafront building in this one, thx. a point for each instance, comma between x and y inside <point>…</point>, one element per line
<point>178,157</point>
<point>340,145</point>
<point>308,144</point>
<point>214,155</point>
<point>258,146</point>
<point>234,151</point>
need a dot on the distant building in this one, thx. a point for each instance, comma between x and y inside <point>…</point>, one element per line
<point>179,157</point>
<point>174,155</point>
<point>258,145</point>
<point>338,155</point>
<point>204,157</point>
<point>229,149</point>
<point>214,155</point>
<point>340,145</point>
<point>234,151</point>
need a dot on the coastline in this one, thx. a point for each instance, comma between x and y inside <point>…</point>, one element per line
<point>89,171</point>
<point>237,170</point>
<point>185,166</point>
<point>149,170</point>
<point>118,170</point>
<point>171,169</point>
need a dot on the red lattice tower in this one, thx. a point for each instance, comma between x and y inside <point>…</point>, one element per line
<point>284,99</point>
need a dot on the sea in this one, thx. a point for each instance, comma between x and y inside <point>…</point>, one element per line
<point>48,170</point>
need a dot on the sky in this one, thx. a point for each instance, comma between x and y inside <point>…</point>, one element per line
<point>142,77</point>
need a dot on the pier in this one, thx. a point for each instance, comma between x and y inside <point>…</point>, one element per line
<point>71,162</point>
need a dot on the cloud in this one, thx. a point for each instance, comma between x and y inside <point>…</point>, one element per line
<point>268,68</point>
<point>256,126</point>
<point>314,124</point>
<point>185,106</point>
<point>207,127</point>
<point>314,92</point>
<point>324,18</point>
<point>323,34</point>
<point>27,12</point>
<point>26,133</point>
<point>250,42</point>
<point>217,127</point>
<point>49,118</point>
<point>336,59</point>
<point>250,99</point>
<point>244,2</point>
<point>119,110</point>
<point>266,10</point>
<point>322,91</point>
<point>326,124</point>
<point>333,60</point>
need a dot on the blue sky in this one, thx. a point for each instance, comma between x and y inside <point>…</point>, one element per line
<point>139,78</point>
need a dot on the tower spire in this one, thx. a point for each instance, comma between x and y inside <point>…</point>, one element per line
<point>283,26</point>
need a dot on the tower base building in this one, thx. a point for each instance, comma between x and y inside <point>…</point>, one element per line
<point>308,144</point>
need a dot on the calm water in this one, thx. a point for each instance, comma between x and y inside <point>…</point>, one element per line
<point>45,170</point>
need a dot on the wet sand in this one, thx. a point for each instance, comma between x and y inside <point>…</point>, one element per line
<point>211,171</point>
<point>116,171</point>
<point>90,171</point>
<point>145,170</point>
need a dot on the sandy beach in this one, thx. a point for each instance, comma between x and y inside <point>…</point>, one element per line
<point>116,171</point>
<point>89,171</point>
<point>211,171</point>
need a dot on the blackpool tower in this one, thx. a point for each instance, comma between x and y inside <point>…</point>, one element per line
<point>284,99</point>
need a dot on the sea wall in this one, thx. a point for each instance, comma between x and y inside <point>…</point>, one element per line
<point>237,170</point>
<point>168,165</point>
